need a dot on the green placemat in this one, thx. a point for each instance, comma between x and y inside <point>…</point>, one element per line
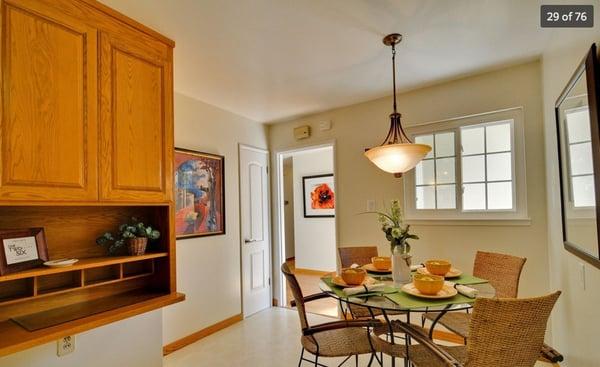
<point>406,301</point>
<point>467,279</point>
<point>339,291</point>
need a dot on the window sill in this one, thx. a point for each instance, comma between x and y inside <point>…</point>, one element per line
<point>469,221</point>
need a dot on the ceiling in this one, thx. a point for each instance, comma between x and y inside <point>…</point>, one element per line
<point>271,60</point>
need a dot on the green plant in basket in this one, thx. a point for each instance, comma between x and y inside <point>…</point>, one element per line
<point>134,234</point>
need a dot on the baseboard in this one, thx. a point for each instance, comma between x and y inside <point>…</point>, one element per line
<point>311,272</point>
<point>192,338</point>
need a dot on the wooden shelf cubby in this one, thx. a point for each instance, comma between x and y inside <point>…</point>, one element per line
<point>42,303</point>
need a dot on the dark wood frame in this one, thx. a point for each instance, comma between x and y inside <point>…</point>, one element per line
<point>40,241</point>
<point>304,178</point>
<point>590,66</point>
<point>224,218</point>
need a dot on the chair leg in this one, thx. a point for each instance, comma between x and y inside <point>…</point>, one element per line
<point>356,360</point>
<point>301,357</point>
<point>317,361</point>
<point>370,360</point>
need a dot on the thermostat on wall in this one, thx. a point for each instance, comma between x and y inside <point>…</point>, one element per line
<point>302,132</point>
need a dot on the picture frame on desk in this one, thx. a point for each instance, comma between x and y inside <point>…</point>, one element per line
<point>22,249</point>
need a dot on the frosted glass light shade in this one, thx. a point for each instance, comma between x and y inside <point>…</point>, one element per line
<point>397,158</point>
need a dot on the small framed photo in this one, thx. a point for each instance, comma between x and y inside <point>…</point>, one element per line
<point>319,196</point>
<point>22,249</point>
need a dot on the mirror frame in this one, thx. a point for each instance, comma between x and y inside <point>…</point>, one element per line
<point>590,66</point>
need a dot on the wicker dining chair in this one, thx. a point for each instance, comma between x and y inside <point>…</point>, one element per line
<point>360,255</point>
<point>503,332</point>
<point>342,338</point>
<point>503,273</point>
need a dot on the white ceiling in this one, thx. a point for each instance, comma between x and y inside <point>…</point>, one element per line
<point>271,60</point>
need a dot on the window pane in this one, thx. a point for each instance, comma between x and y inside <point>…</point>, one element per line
<point>426,139</point>
<point>581,159</point>
<point>472,140</point>
<point>473,168</point>
<point>583,191</point>
<point>444,145</point>
<point>446,197</point>
<point>498,137</point>
<point>424,173</point>
<point>499,167</point>
<point>425,197</point>
<point>578,126</point>
<point>444,170</point>
<point>500,195</point>
<point>473,196</point>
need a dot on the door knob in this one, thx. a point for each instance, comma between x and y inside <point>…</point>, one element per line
<point>249,240</point>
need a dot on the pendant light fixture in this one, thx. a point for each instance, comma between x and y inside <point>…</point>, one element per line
<point>397,154</point>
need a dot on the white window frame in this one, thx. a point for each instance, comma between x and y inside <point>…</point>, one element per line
<point>519,179</point>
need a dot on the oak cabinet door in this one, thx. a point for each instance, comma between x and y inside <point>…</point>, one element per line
<point>48,127</point>
<point>136,134</point>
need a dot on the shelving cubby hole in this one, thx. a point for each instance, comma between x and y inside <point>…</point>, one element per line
<point>58,282</point>
<point>138,268</point>
<point>102,274</point>
<point>16,289</point>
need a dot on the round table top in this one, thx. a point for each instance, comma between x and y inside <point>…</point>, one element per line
<point>382,302</point>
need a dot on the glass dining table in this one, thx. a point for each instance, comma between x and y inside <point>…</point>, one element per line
<point>393,301</point>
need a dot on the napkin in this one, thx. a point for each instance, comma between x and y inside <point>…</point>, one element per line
<point>416,266</point>
<point>378,287</point>
<point>464,290</point>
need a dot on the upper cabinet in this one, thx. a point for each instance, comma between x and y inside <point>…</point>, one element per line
<point>87,105</point>
<point>136,136</point>
<point>49,126</point>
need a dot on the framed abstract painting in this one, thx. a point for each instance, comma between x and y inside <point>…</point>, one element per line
<point>319,196</point>
<point>199,194</point>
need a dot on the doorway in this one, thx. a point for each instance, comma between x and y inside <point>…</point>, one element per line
<point>307,223</point>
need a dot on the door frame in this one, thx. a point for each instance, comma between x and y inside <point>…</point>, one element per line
<point>278,285</point>
<point>269,219</point>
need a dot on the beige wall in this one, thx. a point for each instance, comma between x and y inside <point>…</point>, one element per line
<point>134,342</point>
<point>200,126</point>
<point>364,125</point>
<point>575,320</point>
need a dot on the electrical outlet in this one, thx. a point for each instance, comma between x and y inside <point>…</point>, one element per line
<point>370,205</point>
<point>65,346</point>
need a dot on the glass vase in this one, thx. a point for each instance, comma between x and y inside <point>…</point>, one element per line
<point>401,261</point>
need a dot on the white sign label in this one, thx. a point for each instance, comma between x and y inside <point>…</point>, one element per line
<point>18,250</point>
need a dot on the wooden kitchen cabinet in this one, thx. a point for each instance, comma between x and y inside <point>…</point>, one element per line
<point>136,135</point>
<point>49,125</point>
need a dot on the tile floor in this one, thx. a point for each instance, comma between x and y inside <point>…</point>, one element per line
<point>270,338</point>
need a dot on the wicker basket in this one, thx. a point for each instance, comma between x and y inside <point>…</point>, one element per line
<point>137,246</point>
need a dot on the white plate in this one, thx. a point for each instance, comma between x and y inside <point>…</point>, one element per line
<point>447,291</point>
<point>453,273</point>
<point>61,263</point>
<point>337,280</point>
<point>372,269</point>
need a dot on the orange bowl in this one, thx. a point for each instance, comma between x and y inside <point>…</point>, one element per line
<point>428,284</point>
<point>353,276</point>
<point>438,267</point>
<point>382,262</point>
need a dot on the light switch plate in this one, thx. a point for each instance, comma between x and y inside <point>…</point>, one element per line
<point>65,346</point>
<point>325,125</point>
<point>370,205</point>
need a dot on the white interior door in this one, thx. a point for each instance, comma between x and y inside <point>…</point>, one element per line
<point>256,244</point>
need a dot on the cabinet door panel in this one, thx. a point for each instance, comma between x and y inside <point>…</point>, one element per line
<point>48,133</point>
<point>137,142</point>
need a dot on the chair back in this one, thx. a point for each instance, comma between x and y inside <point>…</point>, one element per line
<point>296,294</point>
<point>356,255</point>
<point>502,271</point>
<point>508,332</point>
